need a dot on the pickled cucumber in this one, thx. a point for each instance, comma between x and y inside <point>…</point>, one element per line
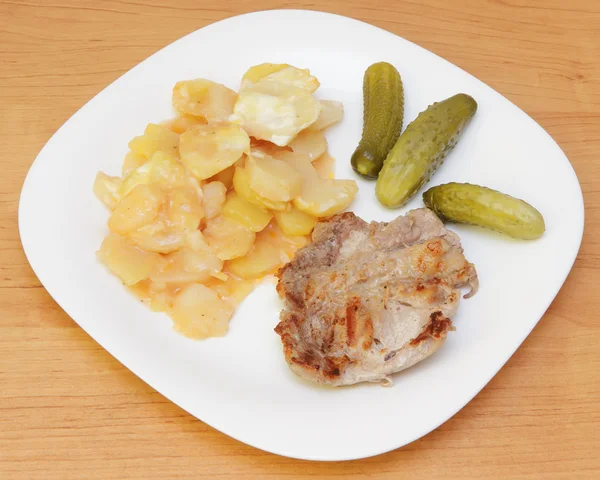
<point>422,148</point>
<point>466,203</point>
<point>383,98</point>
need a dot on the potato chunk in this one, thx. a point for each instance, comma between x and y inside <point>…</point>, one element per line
<point>326,197</point>
<point>241,184</point>
<point>332,112</point>
<point>106,189</point>
<point>295,222</point>
<point>262,260</point>
<point>214,198</point>
<point>187,266</point>
<point>203,98</point>
<point>127,262</point>
<point>156,138</point>
<point>198,312</point>
<point>207,149</point>
<point>250,216</point>
<point>228,239</point>
<point>311,144</point>
<point>138,208</point>
<point>162,169</point>
<point>273,179</point>
<point>184,209</point>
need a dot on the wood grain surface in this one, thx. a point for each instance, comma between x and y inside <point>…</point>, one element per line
<point>68,410</point>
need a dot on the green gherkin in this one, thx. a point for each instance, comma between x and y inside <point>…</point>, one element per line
<point>482,206</point>
<point>383,97</point>
<point>422,148</point>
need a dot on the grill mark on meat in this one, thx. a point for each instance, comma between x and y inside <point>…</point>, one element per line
<point>351,309</point>
<point>437,326</point>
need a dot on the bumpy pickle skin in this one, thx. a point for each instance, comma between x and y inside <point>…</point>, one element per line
<point>383,97</point>
<point>422,148</point>
<point>482,206</point>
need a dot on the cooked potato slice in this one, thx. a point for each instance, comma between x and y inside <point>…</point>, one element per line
<point>262,260</point>
<point>273,179</point>
<point>147,238</point>
<point>198,312</point>
<point>292,77</point>
<point>183,122</point>
<point>138,208</point>
<point>332,112</point>
<point>106,189</point>
<point>225,176</point>
<point>187,266</point>
<point>326,197</point>
<point>228,239</point>
<point>156,138</point>
<point>241,184</point>
<point>278,106</point>
<point>203,98</point>
<point>162,169</point>
<point>258,72</point>
<point>184,209</point>
<point>250,216</point>
<point>295,222</point>
<point>325,166</point>
<point>126,261</point>
<point>311,144</point>
<point>301,164</point>
<point>214,198</point>
<point>132,161</point>
<point>207,149</point>
<point>234,290</point>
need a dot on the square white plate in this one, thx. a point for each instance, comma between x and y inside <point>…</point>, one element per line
<point>240,384</point>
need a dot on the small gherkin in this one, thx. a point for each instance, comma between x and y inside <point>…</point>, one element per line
<point>383,98</point>
<point>422,148</point>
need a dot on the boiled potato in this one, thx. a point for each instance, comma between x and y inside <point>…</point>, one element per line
<point>332,112</point>
<point>132,161</point>
<point>275,104</point>
<point>262,260</point>
<point>326,197</point>
<point>288,76</point>
<point>241,184</point>
<point>183,122</point>
<point>162,241</point>
<point>139,207</point>
<point>225,176</point>
<point>198,312</point>
<point>187,266</point>
<point>250,216</point>
<point>207,149</point>
<point>258,72</point>
<point>228,239</point>
<point>301,163</point>
<point>234,290</point>
<point>214,198</point>
<point>156,138</point>
<point>273,179</point>
<point>203,98</point>
<point>162,169</point>
<point>295,222</point>
<point>106,189</point>
<point>311,144</point>
<point>184,209</point>
<point>325,166</point>
<point>127,262</point>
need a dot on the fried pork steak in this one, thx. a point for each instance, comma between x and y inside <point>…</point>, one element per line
<point>366,300</point>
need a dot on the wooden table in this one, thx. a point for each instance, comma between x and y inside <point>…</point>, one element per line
<point>68,410</point>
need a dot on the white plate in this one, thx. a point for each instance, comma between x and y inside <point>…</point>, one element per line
<point>240,384</point>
